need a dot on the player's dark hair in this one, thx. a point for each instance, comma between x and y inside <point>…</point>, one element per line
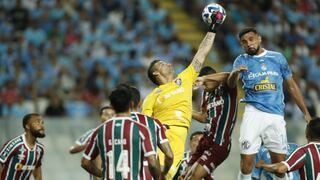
<point>26,119</point>
<point>103,108</point>
<point>195,133</point>
<point>135,96</point>
<point>313,129</point>
<point>120,100</point>
<point>150,72</point>
<point>206,70</point>
<point>135,93</point>
<point>247,30</point>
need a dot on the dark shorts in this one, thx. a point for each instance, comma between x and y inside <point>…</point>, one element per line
<point>210,155</point>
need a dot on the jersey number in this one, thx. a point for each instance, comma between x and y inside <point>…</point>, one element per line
<point>122,165</point>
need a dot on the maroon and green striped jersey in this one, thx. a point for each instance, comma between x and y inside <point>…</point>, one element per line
<point>306,159</point>
<point>155,127</point>
<point>18,160</point>
<point>84,139</point>
<point>122,144</point>
<point>221,106</point>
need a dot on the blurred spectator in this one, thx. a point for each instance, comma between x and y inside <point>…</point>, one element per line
<point>19,16</point>
<point>55,107</point>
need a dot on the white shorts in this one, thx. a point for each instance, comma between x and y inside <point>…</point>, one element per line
<point>257,127</point>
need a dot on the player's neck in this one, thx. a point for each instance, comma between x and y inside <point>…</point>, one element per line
<point>165,80</point>
<point>123,114</point>
<point>30,140</point>
<point>260,51</point>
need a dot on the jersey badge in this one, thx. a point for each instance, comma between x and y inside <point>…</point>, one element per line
<point>263,67</point>
<point>178,81</point>
<point>21,156</point>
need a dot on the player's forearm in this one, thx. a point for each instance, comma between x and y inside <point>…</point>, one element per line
<point>77,148</point>
<point>91,168</point>
<point>37,173</point>
<point>168,160</point>
<point>233,78</point>
<point>203,50</point>
<point>155,170</point>
<point>199,116</point>
<point>276,168</point>
<point>219,77</point>
<point>167,164</point>
<point>297,96</point>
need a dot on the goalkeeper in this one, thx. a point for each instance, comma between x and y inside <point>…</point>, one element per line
<point>171,101</point>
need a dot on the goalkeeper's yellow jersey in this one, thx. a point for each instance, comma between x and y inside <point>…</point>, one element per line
<point>171,103</point>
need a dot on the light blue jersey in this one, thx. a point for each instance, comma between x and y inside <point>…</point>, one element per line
<point>263,80</point>
<point>264,155</point>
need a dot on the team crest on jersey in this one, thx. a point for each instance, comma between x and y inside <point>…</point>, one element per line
<point>263,67</point>
<point>265,85</point>
<point>21,156</point>
<point>178,81</point>
<point>245,144</point>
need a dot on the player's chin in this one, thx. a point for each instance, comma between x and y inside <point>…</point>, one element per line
<point>40,134</point>
<point>252,51</point>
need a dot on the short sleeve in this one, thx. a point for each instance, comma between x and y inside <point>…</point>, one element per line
<point>84,139</point>
<point>285,68</point>
<point>296,159</point>
<point>6,151</point>
<point>162,138</point>
<point>147,145</point>
<point>92,150</point>
<point>148,103</point>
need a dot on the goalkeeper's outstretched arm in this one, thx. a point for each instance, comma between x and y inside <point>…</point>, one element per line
<point>203,51</point>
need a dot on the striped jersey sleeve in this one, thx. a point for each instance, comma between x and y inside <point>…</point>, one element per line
<point>162,138</point>
<point>85,137</point>
<point>147,141</point>
<point>92,150</point>
<point>296,159</point>
<point>9,148</point>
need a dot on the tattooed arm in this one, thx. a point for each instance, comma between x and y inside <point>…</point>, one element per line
<point>203,51</point>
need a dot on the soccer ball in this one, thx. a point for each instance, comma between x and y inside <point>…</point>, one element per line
<point>217,11</point>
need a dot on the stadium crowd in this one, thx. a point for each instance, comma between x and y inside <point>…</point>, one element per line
<point>62,58</point>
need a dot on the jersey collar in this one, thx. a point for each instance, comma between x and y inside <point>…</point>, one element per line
<point>260,55</point>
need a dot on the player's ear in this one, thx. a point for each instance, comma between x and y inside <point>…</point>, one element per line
<point>259,39</point>
<point>28,126</point>
<point>155,73</point>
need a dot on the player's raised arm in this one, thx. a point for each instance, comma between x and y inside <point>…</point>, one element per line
<point>203,51</point>
<point>298,98</point>
<point>235,76</point>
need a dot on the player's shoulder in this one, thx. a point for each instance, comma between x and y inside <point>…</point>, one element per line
<point>275,55</point>
<point>13,143</point>
<point>40,144</point>
<point>15,140</point>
